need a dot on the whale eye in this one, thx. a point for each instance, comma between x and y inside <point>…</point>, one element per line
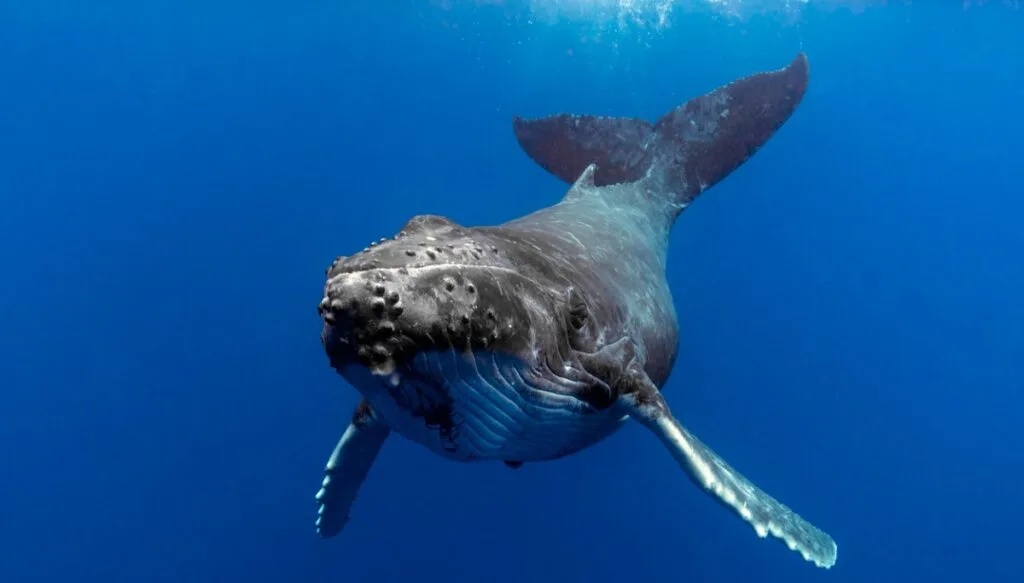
<point>578,318</point>
<point>578,311</point>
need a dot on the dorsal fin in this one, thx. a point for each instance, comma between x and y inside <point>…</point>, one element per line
<point>584,183</point>
<point>690,149</point>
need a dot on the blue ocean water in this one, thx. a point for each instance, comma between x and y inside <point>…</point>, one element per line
<point>176,176</point>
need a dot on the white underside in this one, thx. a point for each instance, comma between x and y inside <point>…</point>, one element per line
<point>501,411</point>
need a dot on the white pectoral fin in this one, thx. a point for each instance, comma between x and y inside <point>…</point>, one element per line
<point>709,471</point>
<point>347,468</point>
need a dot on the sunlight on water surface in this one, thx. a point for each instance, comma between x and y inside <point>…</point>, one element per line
<point>657,13</point>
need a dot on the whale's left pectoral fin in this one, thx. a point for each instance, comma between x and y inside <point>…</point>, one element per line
<point>347,468</point>
<point>643,402</point>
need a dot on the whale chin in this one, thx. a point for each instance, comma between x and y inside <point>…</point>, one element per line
<point>408,395</point>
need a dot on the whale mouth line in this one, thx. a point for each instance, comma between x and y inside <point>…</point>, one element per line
<point>406,271</point>
<point>426,267</point>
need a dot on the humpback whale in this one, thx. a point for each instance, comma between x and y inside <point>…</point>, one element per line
<point>540,337</point>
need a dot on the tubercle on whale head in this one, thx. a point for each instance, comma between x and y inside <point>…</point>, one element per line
<point>424,240</point>
<point>435,285</point>
<point>384,306</point>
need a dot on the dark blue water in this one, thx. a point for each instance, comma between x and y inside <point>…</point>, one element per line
<point>176,176</point>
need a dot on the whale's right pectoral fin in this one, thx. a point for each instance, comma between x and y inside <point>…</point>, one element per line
<point>347,468</point>
<point>643,402</point>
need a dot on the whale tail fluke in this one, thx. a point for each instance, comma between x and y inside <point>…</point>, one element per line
<point>684,153</point>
